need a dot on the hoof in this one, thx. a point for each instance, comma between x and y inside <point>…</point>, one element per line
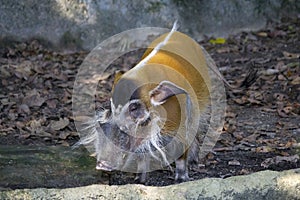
<point>141,178</point>
<point>179,178</point>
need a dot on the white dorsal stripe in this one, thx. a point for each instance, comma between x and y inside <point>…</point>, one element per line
<point>157,48</point>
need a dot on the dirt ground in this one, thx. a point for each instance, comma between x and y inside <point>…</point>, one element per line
<point>262,129</point>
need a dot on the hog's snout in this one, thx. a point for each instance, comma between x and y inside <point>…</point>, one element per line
<point>105,166</point>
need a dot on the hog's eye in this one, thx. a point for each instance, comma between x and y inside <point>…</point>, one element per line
<point>133,107</point>
<point>136,110</point>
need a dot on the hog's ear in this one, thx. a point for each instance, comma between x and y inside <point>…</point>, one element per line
<point>163,91</point>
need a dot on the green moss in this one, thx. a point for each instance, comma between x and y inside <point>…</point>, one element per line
<point>155,6</point>
<point>183,3</point>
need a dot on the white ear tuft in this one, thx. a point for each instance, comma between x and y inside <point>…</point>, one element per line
<point>156,103</point>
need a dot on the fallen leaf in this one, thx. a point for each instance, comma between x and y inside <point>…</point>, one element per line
<point>2,133</point>
<point>261,61</point>
<point>281,77</point>
<point>281,113</point>
<point>277,33</point>
<point>269,72</point>
<point>288,109</point>
<point>289,55</point>
<point>60,124</point>
<point>279,96</point>
<point>101,77</point>
<point>20,124</point>
<point>65,144</point>
<point>281,66</point>
<point>241,60</point>
<point>231,114</point>
<point>296,81</point>
<point>43,133</point>
<point>52,103</point>
<point>6,102</point>
<point>230,128</point>
<point>24,70</point>
<point>220,149</point>
<point>234,163</point>
<point>241,101</point>
<point>24,108</point>
<point>33,98</point>
<point>267,162</point>
<point>37,128</point>
<point>293,65</point>
<point>238,135</point>
<point>268,110</point>
<point>251,138</point>
<point>262,34</point>
<point>82,118</point>
<point>244,172</point>
<point>217,41</point>
<point>279,159</point>
<point>63,135</point>
<point>223,50</point>
<point>254,101</point>
<point>4,72</point>
<point>264,149</point>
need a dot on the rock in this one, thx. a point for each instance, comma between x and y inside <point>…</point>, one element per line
<point>62,169</point>
<point>84,24</point>
<point>256,186</point>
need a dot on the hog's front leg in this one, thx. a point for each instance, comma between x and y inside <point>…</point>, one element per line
<point>181,172</point>
<point>143,166</point>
